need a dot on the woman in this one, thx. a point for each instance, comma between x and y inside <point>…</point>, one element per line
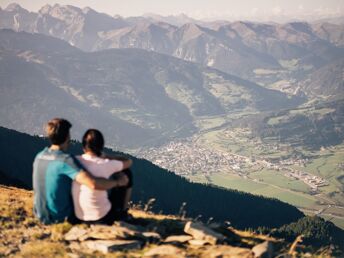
<point>97,206</point>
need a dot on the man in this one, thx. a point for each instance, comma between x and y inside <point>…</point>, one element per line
<point>53,173</point>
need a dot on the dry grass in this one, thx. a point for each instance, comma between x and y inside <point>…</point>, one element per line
<point>22,235</point>
<point>43,249</point>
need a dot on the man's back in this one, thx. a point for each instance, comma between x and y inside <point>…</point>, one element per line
<point>53,172</point>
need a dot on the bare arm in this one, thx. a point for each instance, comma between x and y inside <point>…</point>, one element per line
<point>98,183</point>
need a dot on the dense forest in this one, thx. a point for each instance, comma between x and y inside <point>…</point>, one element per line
<point>170,191</point>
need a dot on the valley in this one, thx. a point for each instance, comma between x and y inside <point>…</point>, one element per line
<point>255,107</point>
<point>232,158</point>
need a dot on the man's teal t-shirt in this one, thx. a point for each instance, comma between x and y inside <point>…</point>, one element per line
<point>53,173</point>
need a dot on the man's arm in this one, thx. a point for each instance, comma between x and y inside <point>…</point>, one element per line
<point>126,162</point>
<point>98,183</point>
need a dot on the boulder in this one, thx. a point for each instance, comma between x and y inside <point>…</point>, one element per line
<point>201,232</point>
<point>264,250</point>
<point>151,237</point>
<point>75,233</point>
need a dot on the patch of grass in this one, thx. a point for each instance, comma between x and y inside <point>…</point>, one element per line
<point>44,249</point>
<point>58,230</point>
<point>278,179</point>
<point>235,182</point>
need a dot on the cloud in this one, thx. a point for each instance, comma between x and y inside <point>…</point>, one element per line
<point>277,10</point>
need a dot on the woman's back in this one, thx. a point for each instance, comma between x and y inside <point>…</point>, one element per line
<point>91,205</point>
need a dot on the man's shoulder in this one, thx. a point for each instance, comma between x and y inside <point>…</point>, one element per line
<point>58,156</point>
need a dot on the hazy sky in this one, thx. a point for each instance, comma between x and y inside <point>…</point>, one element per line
<point>255,9</point>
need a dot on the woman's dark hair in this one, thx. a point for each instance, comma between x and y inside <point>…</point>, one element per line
<point>93,141</point>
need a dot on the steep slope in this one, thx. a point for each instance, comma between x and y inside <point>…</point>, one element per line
<point>313,126</point>
<point>134,96</point>
<point>170,191</point>
<point>327,81</point>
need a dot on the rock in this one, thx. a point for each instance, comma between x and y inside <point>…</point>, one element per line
<point>225,251</point>
<point>201,232</point>
<point>75,233</point>
<point>129,226</point>
<point>165,251</point>
<point>178,239</point>
<point>112,232</point>
<point>152,237</point>
<point>197,242</point>
<point>73,255</point>
<point>107,246</point>
<point>264,250</point>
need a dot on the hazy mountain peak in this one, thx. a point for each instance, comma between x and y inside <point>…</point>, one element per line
<point>87,10</point>
<point>300,26</point>
<point>45,9</point>
<point>177,20</point>
<point>191,27</point>
<point>14,7</point>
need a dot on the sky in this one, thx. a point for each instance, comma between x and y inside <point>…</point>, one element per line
<point>204,9</point>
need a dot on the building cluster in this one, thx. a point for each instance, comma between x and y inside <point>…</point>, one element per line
<point>189,158</point>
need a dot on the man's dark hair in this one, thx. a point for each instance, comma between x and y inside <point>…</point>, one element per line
<point>57,130</point>
<point>93,140</point>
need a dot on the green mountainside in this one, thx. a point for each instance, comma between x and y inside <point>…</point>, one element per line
<point>149,98</point>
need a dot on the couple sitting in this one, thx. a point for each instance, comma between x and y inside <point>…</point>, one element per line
<point>91,188</point>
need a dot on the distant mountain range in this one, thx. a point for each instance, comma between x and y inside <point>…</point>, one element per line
<point>136,97</point>
<point>239,48</point>
<point>128,77</point>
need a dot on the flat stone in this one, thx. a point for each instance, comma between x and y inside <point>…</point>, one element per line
<point>197,242</point>
<point>225,251</point>
<point>178,239</point>
<point>201,232</point>
<point>112,232</point>
<point>165,251</point>
<point>152,237</point>
<point>264,250</point>
<point>75,233</point>
<point>129,226</point>
<point>108,246</point>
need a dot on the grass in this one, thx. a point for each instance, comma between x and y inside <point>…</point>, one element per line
<point>235,182</point>
<point>43,249</point>
<point>338,222</point>
<point>38,240</point>
<point>298,199</point>
<point>277,179</point>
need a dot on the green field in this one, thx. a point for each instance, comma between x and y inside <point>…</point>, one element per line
<point>264,188</point>
<point>274,184</point>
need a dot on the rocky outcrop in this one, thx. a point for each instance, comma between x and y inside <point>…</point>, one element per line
<point>196,238</point>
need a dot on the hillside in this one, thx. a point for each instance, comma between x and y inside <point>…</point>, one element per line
<point>154,182</point>
<point>147,97</point>
<point>152,235</point>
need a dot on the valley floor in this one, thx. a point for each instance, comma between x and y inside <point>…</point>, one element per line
<point>311,180</point>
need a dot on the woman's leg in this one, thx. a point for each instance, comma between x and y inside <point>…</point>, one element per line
<point>120,196</point>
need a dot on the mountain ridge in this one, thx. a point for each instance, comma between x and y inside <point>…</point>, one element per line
<point>146,92</point>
